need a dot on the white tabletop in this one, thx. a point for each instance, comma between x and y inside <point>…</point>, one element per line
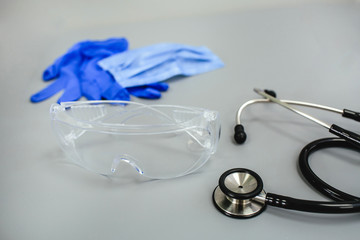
<point>307,52</point>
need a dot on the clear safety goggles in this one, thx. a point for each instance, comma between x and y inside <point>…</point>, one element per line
<point>158,141</point>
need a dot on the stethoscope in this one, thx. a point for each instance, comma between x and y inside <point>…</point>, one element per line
<point>240,192</point>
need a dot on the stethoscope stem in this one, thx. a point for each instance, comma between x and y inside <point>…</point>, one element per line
<point>280,201</point>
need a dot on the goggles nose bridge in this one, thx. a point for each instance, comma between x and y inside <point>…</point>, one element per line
<point>124,158</point>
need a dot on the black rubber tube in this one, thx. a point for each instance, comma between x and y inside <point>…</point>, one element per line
<point>343,202</point>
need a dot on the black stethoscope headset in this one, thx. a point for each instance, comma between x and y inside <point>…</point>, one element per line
<point>240,191</point>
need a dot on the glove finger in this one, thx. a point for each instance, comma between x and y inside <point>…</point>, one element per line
<point>106,47</point>
<point>88,74</point>
<point>53,70</point>
<point>91,53</point>
<point>72,91</point>
<point>122,94</point>
<point>144,92</point>
<point>49,91</point>
<point>116,92</point>
<point>90,90</point>
<point>160,86</point>
<point>95,81</point>
<point>114,44</point>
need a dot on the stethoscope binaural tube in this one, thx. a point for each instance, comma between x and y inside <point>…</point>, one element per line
<point>230,199</point>
<point>240,135</point>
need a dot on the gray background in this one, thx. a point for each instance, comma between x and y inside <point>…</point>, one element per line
<point>305,50</point>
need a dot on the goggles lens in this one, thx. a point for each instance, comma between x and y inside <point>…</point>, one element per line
<point>158,141</point>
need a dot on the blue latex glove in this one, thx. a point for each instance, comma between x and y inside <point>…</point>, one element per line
<point>100,84</point>
<point>96,78</point>
<point>159,62</point>
<point>67,69</point>
<point>77,73</point>
<point>150,91</point>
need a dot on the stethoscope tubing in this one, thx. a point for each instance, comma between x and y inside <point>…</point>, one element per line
<point>313,179</point>
<point>344,202</point>
<point>312,206</point>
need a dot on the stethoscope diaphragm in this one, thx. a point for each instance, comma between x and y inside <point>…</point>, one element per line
<point>240,193</point>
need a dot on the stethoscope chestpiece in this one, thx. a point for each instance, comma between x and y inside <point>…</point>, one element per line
<point>240,193</point>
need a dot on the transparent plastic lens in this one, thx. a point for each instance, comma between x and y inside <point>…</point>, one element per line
<point>158,141</point>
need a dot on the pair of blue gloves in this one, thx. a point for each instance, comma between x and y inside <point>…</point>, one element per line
<point>77,74</point>
<point>107,70</point>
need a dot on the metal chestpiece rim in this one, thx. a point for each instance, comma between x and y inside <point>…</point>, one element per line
<point>240,193</point>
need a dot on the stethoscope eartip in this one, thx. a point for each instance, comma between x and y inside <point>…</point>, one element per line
<point>240,135</point>
<point>270,92</point>
<point>240,194</point>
